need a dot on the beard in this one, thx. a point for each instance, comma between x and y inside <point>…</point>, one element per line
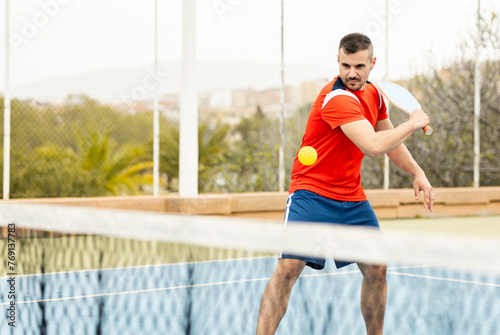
<point>353,84</point>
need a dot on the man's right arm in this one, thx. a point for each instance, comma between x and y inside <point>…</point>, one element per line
<point>373,144</point>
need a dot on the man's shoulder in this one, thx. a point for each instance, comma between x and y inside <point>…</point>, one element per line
<point>372,89</point>
<point>372,92</point>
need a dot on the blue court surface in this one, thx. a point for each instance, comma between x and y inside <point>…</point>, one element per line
<point>223,297</point>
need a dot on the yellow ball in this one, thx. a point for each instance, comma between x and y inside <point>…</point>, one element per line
<point>307,155</point>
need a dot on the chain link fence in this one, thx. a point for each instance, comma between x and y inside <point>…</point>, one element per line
<point>83,83</point>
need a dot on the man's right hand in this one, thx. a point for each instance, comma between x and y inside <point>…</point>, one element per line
<point>419,119</point>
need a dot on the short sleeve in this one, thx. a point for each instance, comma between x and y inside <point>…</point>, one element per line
<point>382,111</point>
<point>341,107</point>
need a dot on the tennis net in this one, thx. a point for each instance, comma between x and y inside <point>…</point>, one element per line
<point>74,270</point>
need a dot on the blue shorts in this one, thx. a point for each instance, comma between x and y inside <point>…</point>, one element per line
<point>306,206</point>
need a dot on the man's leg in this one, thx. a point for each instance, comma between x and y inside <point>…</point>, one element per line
<point>373,297</point>
<point>277,293</point>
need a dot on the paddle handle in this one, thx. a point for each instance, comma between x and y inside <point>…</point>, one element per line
<point>427,130</point>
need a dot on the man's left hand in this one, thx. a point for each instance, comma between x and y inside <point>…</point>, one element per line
<point>422,184</point>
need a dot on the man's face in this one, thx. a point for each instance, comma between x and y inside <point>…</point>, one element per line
<point>355,68</point>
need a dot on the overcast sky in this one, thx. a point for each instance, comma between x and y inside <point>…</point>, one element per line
<point>53,38</point>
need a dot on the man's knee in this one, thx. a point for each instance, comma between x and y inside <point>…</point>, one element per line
<point>289,269</point>
<point>374,273</point>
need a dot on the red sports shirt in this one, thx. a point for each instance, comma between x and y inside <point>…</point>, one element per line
<point>337,172</point>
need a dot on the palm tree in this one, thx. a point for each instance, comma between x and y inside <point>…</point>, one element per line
<point>118,171</point>
<point>212,145</point>
<point>95,168</point>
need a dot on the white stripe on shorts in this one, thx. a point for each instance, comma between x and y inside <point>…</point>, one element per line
<point>287,212</point>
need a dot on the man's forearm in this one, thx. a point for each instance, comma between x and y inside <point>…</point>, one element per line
<point>403,159</point>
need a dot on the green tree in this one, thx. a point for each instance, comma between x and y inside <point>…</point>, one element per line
<point>252,164</point>
<point>49,171</point>
<point>169,156</point>
<point>115,170</point>
<point>212,146</point>
<point>96,168</point>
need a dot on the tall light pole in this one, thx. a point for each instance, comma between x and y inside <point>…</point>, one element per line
<point>477,98</point>
<point>386,77</point>
<point>6,102</point>
<point>188,129</point>
<point>282,113</point>
<point>156,113</point>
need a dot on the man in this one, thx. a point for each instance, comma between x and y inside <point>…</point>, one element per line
<point>347,121</point>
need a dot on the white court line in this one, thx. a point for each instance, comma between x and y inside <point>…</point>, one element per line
<point>328,274</point>
<point>172,288</point>
<point>248,281</point>
<point>443,279</point>
<point>142,266</point>
<point>141,291</point>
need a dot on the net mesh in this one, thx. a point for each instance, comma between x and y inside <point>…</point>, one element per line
<point>69,270</point>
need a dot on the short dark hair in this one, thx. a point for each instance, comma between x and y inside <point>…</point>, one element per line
<point>355,42</point>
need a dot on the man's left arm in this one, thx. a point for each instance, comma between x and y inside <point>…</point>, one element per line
<point>402,158</point>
